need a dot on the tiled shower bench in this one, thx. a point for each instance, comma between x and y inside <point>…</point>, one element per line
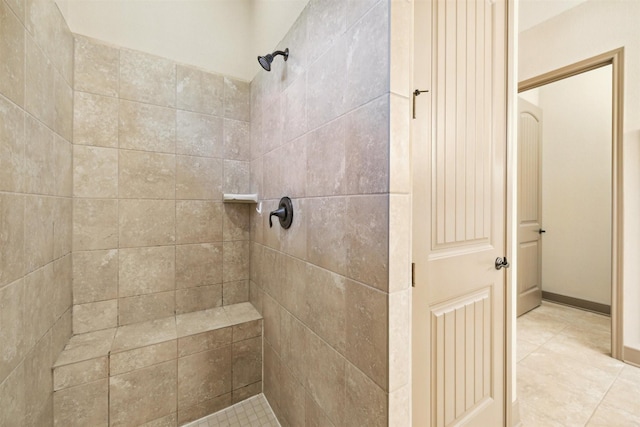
<point>164,372</point>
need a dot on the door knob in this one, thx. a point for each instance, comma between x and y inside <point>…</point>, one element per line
<point>501,263</point>
<point>541,231</point>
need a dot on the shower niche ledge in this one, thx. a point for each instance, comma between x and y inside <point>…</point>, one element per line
<point>239,198</point>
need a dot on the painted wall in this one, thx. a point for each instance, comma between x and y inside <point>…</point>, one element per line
<point>592,28</point>
<point>576,186</point>
<point>224,36</point>
<point>333,289</point>
<point>36,115</point>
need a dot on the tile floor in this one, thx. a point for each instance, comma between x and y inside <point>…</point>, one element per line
<point>253,412</point>
<point>565,375</point>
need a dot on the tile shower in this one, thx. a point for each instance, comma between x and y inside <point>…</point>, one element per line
<point>113,167</point>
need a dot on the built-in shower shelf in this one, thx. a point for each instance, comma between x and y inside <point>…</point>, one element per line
<point>240,198</point>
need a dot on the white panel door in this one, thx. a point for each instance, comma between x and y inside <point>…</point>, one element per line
<point>529,285</point>
<point>459,169</point>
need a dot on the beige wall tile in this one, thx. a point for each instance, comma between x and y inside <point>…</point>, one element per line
<point>166,421</point>
<point>247,330</point>
<point>62,167</point>
<point>38,381</point>
<point>12,146</point>
<point>367,39</point>
<point>326,382</point>
<point>237,98</point>
<point>62,227</point>
<point>294,285</point>
<point>198,265</point>
<point>320,32</point>
<point>62,298</point>
<point>146,333</point>
<point>204,341</point>
<point>63,107</point>
<point>18,7</point>
<point>12,398</point>
<point>86,346</point>
<point>243,393</point>
<point>147,127</point>
<point>198,221</point>
<point>11,327</point>
<point>236,177</point>
<point>272,124</point>
<point>199,91</point>
<point>367,247</point>
<point>292,399</point>
<point>95,224</point>
<point>146,270</point>
<point>61,333</point>
<point>325,305</point>
<point>271,376</point>
<point>198,298</point>
<point>367,334</point>
<point>95,172</point>
<point>326,83</point>
<point>326,233</point>
<point>39,84</point>
<point>294,108</point>
<point>147,222</point>
<point>198,178</point>
<point>138,358</point>
<point>143,395</point>
<point>199,135</point>
<point>237,140</point>
<point>96,67</point>
<point>236,221</point>
<point>146,175</point>
<point>235,292</point>
<point>326,160</point>
<point>365,402</point>
<point>314,415</point>
<point>273,273</point>
<point>12,237</point>
<point>147,307</point>
<point>400,406</point>
<point>399,242</point>
<point>83,405</point>
<point>95,120</point>
<point>293,241</point>
<point>95,276</point>
<point>205,408</point>
<point>80,373</point>
<point>39,175</point>
<point>271,312</point>
<point>399,146</point>
<point>95,316</point>
<point>38,241</point>
<point>147,78</point>
<point>235,264</point>
<point>367,148</point>
<point>247,362</point>
<point>12,55</point>
<point>204,376</point>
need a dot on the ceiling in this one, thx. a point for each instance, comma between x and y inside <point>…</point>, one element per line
<point>224,36</point>
<point>534,12</point>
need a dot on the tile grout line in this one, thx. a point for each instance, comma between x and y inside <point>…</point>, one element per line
<point>604,395</point>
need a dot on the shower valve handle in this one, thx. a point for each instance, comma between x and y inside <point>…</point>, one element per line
<point>280,213</point>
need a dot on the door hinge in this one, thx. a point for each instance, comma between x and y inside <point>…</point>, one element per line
<point>413,274</point>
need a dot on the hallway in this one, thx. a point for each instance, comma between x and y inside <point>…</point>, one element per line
<point>565,374</point>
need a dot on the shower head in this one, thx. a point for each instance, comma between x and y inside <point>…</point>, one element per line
<point>265,61</point>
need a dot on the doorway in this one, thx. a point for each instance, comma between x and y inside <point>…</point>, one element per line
<point>615,60</point>
<point>564,220</point>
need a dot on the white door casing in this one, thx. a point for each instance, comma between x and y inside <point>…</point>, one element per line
<point>529,281</point>
<point>459,168</point>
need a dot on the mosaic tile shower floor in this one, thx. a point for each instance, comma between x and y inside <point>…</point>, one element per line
<point>253,412</point>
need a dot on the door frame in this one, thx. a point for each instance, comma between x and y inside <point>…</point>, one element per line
<point>616,59</point>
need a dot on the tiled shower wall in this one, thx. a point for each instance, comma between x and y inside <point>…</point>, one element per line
<point>36,110</point>
<point>155,146</point>
<point>328,132</point>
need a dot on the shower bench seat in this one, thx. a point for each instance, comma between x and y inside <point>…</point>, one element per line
<point>164,372</point>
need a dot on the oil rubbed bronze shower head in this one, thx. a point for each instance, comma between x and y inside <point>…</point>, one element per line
<point>265,61</point>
